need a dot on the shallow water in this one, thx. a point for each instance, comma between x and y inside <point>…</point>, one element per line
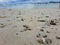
<point>29,5</point>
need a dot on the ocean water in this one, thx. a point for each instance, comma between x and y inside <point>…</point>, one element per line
<point>29,5</point>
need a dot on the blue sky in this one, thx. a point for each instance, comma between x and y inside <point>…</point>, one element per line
<point>50,0</point>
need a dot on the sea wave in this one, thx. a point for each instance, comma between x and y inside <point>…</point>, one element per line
<point>28,4</point>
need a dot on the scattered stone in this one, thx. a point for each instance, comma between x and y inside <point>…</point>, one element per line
<point>38,35</point>
<point>47,32</point>
<point>44,36</point>
<point>48,41</point>
<point>25,26</point>
<point>2,25</point>
<point>58,37</point>
<point>29,29</point>
<point>52,22</point>
<point>22,19</point>
<point>44,41</point>
<point>41,20</point>
<point>40,41</point>
<point>41,30</point>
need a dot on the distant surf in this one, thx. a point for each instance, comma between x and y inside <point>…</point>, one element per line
<point>29,5</point>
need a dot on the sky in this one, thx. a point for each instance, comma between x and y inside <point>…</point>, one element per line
<point>50,0</point>
<point>28,0</point>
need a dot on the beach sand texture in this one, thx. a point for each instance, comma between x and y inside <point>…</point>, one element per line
<point>24,26</point>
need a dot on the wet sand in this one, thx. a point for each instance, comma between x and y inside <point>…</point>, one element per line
<point>29,26</point>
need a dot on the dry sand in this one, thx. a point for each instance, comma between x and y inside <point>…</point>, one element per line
<point>21,27</point>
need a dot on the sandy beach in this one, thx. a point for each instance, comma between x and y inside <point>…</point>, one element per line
<point>29,26</point>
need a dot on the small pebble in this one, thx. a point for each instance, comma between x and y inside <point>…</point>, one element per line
<point>58,37</point>
<point>22,19</point>
<point>41,30</point>
<point>52,22</point>
<point>25,26</point>
<point>29,29</point>
<point>47,32</point>
<point>41,20</point>
<point>44,36</point>
<point>40,41</point>
<point>2,26</point>
<point>38,35</point>
<point>48,41</point>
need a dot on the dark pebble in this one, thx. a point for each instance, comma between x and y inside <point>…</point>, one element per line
<point>41,20</point>
<point>52,22</point>
<point>40,41</point>
<point>2,26</point>
<point>25,26</point>
<point>41,30</point>
<point>44,36</point>
<point>38,35</point>
<point>29,29</point>
<point>47,32</point>
<point>58,37</point>
<point>48,41</point>
<point>22,19</point>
